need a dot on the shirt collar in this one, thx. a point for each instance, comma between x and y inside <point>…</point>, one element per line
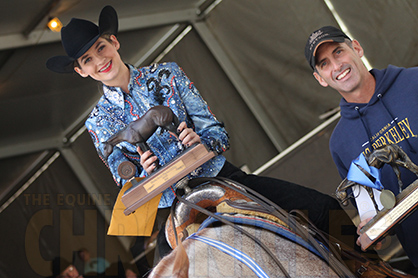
<point>138,81</point>
<point>115,95</point>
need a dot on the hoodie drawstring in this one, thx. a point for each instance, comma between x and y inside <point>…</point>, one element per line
<point>366,127</point>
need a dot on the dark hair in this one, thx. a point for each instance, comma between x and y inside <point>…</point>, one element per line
<point>105,36</point>
<point>349,43</point>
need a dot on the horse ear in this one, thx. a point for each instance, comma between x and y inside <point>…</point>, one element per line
<point>181,262</point>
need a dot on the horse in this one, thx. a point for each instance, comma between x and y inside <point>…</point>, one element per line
<point>392,155</point>
<point>137,132</point>
<point>224,229</point>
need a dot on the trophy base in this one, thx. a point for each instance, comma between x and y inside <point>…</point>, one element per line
<point>165,176</point>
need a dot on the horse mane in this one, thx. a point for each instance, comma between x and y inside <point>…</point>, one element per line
<point>179,263</point>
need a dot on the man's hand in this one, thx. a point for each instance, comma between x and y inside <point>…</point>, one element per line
<point>363,240</point>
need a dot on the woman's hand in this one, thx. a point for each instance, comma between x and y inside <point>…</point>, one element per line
<point>148,160</point>
<point>187,135</point>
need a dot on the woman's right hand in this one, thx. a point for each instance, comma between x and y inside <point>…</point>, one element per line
<point>148,160</point>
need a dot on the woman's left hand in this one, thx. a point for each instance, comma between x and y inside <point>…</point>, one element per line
<point>187,135</point>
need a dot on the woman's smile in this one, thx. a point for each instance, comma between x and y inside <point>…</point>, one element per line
<point>106,68</point>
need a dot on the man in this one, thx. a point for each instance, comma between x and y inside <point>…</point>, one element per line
<point>378,107</point>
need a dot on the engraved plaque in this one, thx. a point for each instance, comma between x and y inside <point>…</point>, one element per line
<point>144,190</point>
<point>379,226</point>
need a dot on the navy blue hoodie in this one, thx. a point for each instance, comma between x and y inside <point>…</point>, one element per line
<point>391,117</point>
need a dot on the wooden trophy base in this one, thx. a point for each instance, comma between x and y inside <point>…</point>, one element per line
<point>379,226</point>
<point>146,189</point>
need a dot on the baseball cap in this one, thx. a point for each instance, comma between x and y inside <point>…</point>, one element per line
<point>324,34</point>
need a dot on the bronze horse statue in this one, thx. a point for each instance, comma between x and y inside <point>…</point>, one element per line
<point>389,154</point>
<point>240,238</point>
<point>138,131</point>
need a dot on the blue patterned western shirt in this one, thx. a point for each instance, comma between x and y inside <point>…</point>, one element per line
<point>160,84</point>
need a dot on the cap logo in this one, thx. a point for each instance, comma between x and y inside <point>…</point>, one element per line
<point>315,37</point>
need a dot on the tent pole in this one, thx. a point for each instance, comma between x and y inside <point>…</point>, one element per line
<point>297,144</point>
<point>241,86</point>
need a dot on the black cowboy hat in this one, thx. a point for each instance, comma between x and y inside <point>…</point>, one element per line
<point>79,35</point>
